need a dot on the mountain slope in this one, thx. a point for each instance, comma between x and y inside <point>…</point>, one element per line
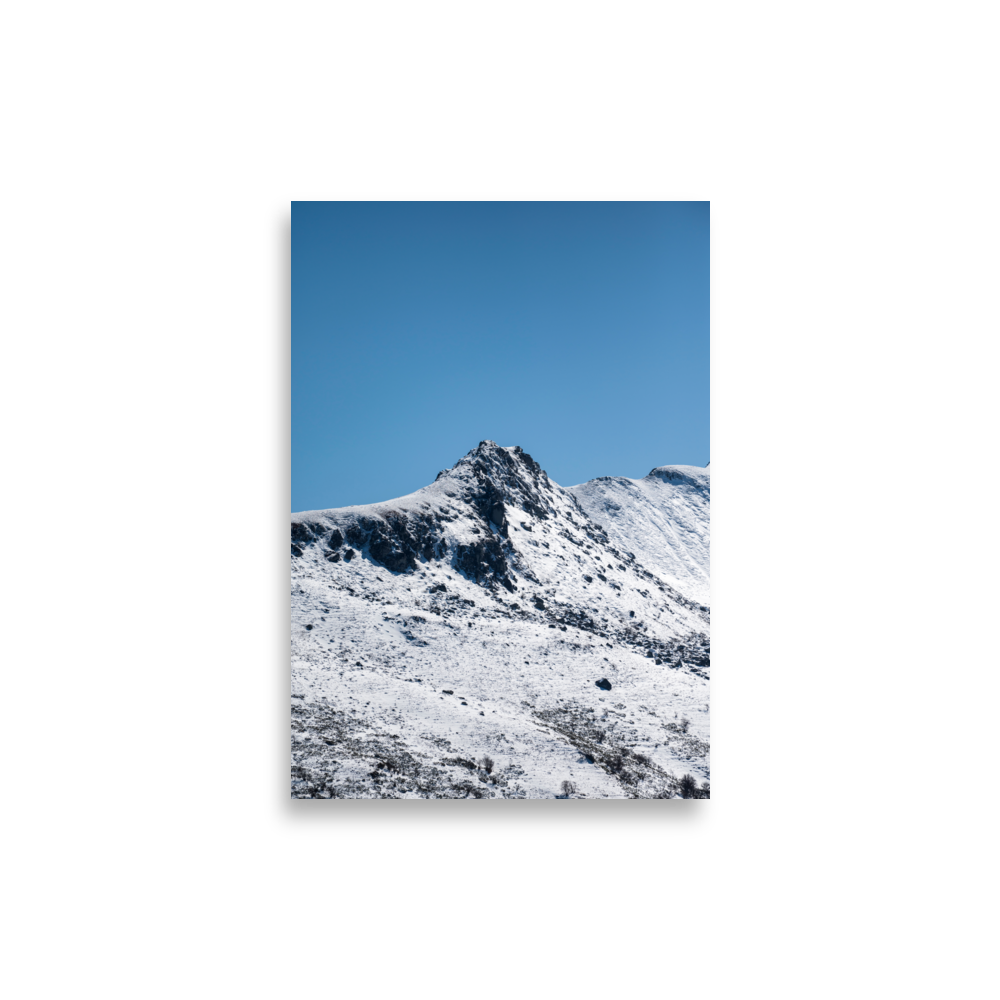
<point>488,615</point>
<point>662,518</point>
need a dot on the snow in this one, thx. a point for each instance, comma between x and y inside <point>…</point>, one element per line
<point>519,620</point>
<point>662,518</point>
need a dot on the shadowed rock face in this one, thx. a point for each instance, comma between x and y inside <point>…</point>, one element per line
<point>302,535</point>
<point>484,560</point>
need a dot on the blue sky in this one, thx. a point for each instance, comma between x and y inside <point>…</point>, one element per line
<point>578,330</point>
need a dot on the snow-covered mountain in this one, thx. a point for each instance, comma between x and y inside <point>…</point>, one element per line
<point>494,635</point>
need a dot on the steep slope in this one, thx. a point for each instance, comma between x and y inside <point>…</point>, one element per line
<point>662,518</point>
<point>488,616</point>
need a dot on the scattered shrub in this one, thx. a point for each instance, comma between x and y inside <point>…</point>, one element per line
<point>486,763</point>
<point>568,789</point>
<point>689,787</point>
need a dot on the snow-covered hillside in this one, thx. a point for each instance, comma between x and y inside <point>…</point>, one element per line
<point>663,519</point>
<point>494,635</point>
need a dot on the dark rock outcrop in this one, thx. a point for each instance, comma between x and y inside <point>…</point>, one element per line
<point>484,561</point>
<point>302,535</point>
<point>302,532</point>
<point>359,531</point>
<point>392,545</point>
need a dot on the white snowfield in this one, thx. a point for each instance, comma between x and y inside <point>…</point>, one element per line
<point>494,635</point>
<point>664,517</point>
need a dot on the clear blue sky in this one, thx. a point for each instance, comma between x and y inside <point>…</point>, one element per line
<point>578,330</point>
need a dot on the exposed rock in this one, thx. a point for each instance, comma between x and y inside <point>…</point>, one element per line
<point>391,544</point>
<point>302,532</point>
<point>484,561</point>
<point>358,531</point>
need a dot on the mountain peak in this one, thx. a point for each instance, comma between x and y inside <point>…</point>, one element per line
<point>500,475</point>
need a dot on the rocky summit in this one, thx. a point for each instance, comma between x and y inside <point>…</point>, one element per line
<point>496,635</point>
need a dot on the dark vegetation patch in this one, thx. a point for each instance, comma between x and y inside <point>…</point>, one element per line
<point>600,745</point>
<point>339,756</point>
